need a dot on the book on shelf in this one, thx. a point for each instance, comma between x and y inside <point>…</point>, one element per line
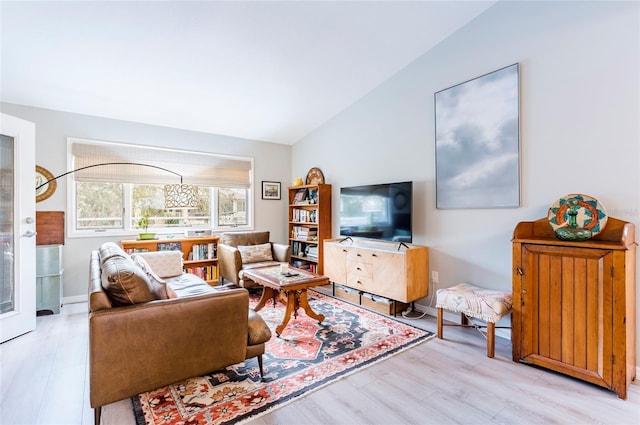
<point>169,246</point>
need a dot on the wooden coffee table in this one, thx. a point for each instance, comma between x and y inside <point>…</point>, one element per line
<point>293,285</point>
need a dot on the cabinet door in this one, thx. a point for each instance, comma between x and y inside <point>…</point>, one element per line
<point>389,275</point>
<point>335,263</point>
<point>565,317</point>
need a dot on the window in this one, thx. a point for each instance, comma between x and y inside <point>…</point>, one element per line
<point>232,207</point>
<point>112,198</point>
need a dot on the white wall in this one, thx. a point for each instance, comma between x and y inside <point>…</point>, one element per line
<point>579,118</point>
<point>272,162</point>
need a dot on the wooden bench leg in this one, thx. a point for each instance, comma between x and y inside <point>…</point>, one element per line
<point>491,339</point>
<point>439,322</point>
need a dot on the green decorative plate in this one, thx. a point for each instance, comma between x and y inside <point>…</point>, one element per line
<point>591,216</point>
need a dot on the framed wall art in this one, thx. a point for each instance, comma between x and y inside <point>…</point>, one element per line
<point>478,142</point>
<point>270,190</point>
<point>42,176</point>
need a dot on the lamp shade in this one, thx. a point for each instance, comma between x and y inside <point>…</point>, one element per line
<point>180,196</point>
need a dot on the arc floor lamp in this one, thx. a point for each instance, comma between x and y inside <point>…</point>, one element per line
<point>175,195</point>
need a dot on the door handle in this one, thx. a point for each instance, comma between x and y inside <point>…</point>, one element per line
<point>29,234</point>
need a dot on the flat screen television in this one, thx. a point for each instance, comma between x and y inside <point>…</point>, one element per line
<point>377,211</point>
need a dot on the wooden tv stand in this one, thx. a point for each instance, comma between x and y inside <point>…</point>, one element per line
<point>393,270</point>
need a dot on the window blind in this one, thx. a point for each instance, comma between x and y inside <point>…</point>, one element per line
<point>196,168</point>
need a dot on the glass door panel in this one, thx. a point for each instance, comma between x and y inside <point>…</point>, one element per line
<point>7,277</point>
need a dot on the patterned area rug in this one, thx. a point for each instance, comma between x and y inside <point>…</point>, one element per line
<point>307,356</point>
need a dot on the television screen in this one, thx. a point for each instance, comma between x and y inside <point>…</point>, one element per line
<point>380,211</point>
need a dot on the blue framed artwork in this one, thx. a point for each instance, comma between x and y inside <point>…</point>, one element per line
<point>478,142</point>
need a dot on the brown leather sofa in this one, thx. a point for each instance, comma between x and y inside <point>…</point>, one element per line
<point>150,344</point>
<point>232,247</point>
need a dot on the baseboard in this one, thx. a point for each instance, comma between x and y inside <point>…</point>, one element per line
<point>450,316</point>
<point>75,299</point>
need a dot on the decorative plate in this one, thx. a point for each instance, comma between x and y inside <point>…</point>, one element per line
<point>591,213</point>
<point>42,176</point>
<point>315,176</point>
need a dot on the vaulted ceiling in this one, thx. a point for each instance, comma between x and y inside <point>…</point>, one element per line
<point>264,70</point>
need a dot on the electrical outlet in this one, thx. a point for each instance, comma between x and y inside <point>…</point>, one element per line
<point>434,277</point>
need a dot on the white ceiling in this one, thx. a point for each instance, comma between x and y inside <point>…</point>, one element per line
<point>263,70</point>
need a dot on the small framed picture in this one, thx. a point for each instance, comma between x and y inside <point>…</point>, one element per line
<point>270,190</point>
<point>301,196</point>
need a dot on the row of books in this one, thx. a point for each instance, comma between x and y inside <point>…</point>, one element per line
<point>205,273</point>
<point>312,252</point>
<point>305,265</point>
<point>203,251</point>
<point>301,249</point>
<point>134,250</point>
<point>304,233</point>
<point>304,216</point>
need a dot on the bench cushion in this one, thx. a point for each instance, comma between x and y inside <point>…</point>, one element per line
<point>484,304</point>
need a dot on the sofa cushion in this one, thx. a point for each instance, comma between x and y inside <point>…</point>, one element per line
<point>163,263</point>
<point>124,282</point>
<point>109,249</point>
<point>259,332</point>
<point>187,285</point>
<point>157,285</point>
<point>255,253</point>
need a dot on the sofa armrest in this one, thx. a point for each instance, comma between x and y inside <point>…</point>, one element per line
<point>229,262</point>
<point>142,347</point>
<point>281,252</point>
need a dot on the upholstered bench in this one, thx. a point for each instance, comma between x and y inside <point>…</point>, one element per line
<point>474,302</point>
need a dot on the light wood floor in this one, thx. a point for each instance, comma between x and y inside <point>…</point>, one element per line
<point>450,381</point>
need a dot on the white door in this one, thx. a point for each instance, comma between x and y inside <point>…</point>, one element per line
<point>17,227</point>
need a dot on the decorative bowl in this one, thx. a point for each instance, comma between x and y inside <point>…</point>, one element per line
<point>573,233</point>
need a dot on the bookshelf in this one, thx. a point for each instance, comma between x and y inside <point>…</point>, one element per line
<point>309,225</point>
<point>199,255</point>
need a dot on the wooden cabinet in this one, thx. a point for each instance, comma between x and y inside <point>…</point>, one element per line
<point>574,303</point>
<point>398,272</point>
<point>199,255</point>
<point>309,225</point>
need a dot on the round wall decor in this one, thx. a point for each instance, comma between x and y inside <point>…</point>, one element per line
<point>43,175</point>
<point>315,176</point>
